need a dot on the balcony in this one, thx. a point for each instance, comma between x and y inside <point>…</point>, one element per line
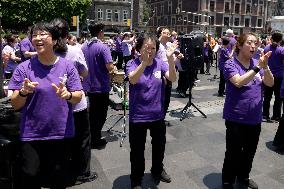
<point>112,2</point>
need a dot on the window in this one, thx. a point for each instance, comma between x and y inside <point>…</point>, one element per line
<point>259,22</point>
<point>170,7</point>
<point>162,10</point>
<point>116,15</point>
<point>261,10</point>
<point>237,22</point>
<point>212,6</point>
<point>196,20</point>
<point>211,20</point>
<point>248,7</point>
<point>227,7</point>
<point>173,21</point>
<point>108,15</point>
<point>247,22</point>
<point>226,21</point>
<point>184,20</point>
<point>100,14</point>
<point>125,15</point>
<point>237,8</point>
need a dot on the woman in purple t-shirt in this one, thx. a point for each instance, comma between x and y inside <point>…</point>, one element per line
<point>44,89</point>
<point>146,107</point>
<point>242,109</point>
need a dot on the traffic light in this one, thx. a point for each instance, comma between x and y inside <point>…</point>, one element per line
<point>74,20</point>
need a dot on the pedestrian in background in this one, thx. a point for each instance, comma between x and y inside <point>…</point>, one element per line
<point>97,83</point>
<point>276,65</point>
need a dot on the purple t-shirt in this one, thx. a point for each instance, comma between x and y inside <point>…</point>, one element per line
<point>224,56</point>
<point>26,46</point>
<point>244,104</point>
<point>232,43</point>
<point>146,97</point>
<point>97,56</point>
<point>118,44</point>
<point>45,116</point>
<point>275,61</point>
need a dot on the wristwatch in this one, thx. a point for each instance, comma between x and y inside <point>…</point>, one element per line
<point>23,95</point>
<point>256,69</point>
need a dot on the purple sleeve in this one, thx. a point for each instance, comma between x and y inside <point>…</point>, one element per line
<point>230,69</point>
<point>107,54</point>
<point>131,66</point>
<point>73,81</point>
<point>24,46</point>
<point>16,82</point>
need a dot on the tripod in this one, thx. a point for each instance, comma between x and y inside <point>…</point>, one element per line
<point>122,133</point>
<point>190,103</point>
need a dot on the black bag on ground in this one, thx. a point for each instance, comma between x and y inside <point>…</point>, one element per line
<point>279,136</point>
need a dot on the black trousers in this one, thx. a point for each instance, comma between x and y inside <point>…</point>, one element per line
<point>241,145</point>
<point>81,148</point>
<point>137,139</point>
<point>45,163</point>
<point>268,91</point>
<point>98,106</point>
<point>168,93</point>
<point>183,81</point>
<point>221,83</point>
<point>119,55</point>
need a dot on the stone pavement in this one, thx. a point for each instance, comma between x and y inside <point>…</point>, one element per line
<point>194,151</point>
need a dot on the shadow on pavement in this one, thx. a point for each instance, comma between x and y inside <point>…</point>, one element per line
<point>213,181</point>
<point>270,146</point>
<point>123,182</point>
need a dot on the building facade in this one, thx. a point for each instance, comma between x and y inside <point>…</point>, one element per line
<point>212,16</point>
<point>115,14</point>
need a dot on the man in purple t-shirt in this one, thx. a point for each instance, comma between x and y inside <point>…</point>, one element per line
<point>233,41</point>
<point>99,61</point>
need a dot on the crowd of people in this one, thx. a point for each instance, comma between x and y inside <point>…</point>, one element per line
<point>62,89</point>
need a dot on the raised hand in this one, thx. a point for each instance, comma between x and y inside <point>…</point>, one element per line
<point>263,60</point>
<point>61,91</point>
<point>28,86</point>
<point>146,55</point>
<point>171,50</point>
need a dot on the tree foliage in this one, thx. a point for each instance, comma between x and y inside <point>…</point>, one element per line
<point>20,14</point>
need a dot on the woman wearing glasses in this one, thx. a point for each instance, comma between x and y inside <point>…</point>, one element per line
<point>243,110</point>
<point>44,89</point>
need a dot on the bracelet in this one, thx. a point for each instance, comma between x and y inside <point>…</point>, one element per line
<point>256,69</point>
<point>70,97</point>
<point>23,95</point>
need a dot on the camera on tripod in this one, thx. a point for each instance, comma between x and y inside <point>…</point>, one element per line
<point>191,46</point>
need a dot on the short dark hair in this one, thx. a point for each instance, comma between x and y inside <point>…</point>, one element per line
<point>96,28</point>
<point>225,40</point>
<point>276,38</point>
<point>145,36</point>
<point>160,29</point>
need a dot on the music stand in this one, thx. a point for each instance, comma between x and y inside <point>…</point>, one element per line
<point>123,133</point>
<point>190,103</point>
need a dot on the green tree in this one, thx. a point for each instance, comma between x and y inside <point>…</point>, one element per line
<point>19,14</point>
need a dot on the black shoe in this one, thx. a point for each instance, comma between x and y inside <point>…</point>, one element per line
<point>136,185</point>
<point>227,186</point>
<point>266,119</point>
<point>99,144</point>
<point>164,177</point>
<point>86,178</point>
<point>276,119</point>
<point>248,183</point>
<point>221,95</point>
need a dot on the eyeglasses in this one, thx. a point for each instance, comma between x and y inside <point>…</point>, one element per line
<point>250,42</point>
<point>42,35</point>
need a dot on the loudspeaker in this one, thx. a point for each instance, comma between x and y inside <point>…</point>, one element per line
<point>191,46</point>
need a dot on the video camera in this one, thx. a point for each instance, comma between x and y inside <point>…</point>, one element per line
<point>191,46</point>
